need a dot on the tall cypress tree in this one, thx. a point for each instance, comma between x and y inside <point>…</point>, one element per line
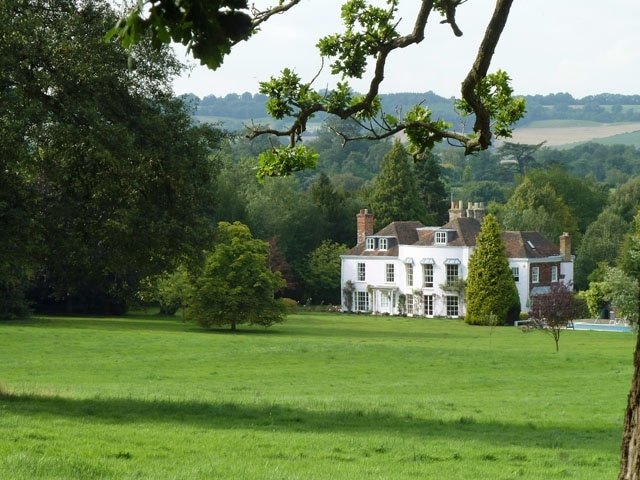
<point>491,291</point>
<point>394,196</point>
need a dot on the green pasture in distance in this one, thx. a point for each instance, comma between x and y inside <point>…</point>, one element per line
<point>632,138</point>
<point>322,396</point>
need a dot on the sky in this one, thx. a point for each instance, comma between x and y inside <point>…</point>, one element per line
<point>581,47</point>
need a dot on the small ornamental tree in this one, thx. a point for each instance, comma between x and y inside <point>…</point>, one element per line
<point>236,285</point>
<point>552,311</point>
<point>491,291</point>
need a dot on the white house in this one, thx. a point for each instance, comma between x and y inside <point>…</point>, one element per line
<point>418,265</point>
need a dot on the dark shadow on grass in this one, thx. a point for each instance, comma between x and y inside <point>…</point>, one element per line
<point>176,325</point>
<point>130,323</point>
<point>138,323</point>
<point>275,417</point>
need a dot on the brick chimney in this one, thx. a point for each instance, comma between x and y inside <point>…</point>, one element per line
<point>476,210</point>
<point>364,222</point>
<point>565,247</point>
<point>456,211</point>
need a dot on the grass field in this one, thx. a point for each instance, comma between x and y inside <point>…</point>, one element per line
<point>320,397</point>
<point>569,132</point>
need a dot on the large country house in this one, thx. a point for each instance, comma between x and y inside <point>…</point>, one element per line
<point>411,268</point>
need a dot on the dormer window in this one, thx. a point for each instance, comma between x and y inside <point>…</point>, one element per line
<point>383,243</point>
<point>441,238</point>
<point>371,243</point>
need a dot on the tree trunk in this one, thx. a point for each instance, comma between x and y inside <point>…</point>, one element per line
<point>630,454</point>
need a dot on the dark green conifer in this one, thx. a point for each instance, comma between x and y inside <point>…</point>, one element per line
<point>491,292</point>
<point>394,196</point>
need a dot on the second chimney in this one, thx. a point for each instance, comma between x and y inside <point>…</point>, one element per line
<point>364,222</point>
<point>565,247</point>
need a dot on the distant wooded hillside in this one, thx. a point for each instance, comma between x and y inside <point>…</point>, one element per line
<point>603,108</point>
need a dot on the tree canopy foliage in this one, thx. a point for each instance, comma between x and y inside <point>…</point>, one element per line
<point>322,272</point>
<point>236,285</point>
<point>394,195</point>
<point>537,206</point>
<point>106,178</point>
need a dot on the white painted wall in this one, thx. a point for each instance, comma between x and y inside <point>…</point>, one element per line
<point>375,276</point>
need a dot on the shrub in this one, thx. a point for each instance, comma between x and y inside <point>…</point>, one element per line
<point>290,305</point>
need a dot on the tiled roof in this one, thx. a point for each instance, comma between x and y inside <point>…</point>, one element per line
<point>464,230</point>
<point>467,229</point>
<point>405,232</point>
<point>528,245</point>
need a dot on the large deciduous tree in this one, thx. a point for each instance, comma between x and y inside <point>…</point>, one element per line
<point>491,291</point>
<point>604,237</point>
<point>538,207</point>
<point>236,285</point>
<point>601,243</point>
<point>583,195</point>
<point>108,178</point>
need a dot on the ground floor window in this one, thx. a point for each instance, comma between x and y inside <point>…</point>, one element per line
<point>428,305</point>
<point>452,306</point>
<point>362,302</point>
<point>410,304</point>
<point>384,302</point>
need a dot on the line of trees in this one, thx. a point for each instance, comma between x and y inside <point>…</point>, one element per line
<point>604,108</point>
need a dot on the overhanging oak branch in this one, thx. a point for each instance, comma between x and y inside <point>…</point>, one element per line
<point>367,107</point>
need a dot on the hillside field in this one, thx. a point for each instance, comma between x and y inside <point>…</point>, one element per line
<point>323,396</point>
<point>558,133</point>
<point>555,133</point>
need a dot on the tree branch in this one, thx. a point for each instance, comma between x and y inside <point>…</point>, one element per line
<point>366,104</point>
<point>371,33</point>
<point>261,16</point>
<point>482,126</point>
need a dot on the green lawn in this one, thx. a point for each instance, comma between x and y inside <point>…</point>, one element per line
<point>319,397</point>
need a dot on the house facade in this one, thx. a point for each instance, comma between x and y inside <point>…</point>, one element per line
<point>420,270</point>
